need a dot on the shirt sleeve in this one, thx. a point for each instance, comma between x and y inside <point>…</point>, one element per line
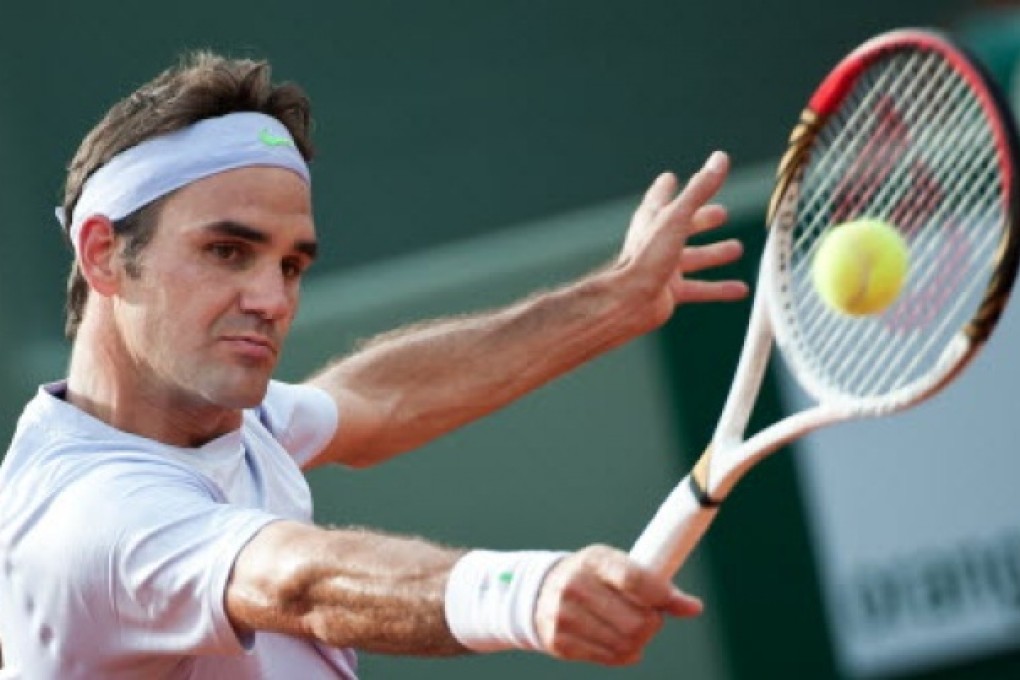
<point>147,550</point>
<point>303,418</point>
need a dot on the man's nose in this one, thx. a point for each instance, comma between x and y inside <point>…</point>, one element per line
<point>267,294</point>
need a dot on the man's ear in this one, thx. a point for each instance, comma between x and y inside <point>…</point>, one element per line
<point>97,250</point>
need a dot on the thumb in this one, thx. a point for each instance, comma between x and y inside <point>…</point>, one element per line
<point>682,604</point>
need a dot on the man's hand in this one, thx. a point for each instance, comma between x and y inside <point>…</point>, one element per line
<point>655,257</point>
<point>597,605</point>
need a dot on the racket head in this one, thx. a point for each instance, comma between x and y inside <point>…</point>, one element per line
<point>907,129</point>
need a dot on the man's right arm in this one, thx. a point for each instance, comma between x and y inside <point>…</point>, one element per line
<point>387,594</point>
<point>347,588</point>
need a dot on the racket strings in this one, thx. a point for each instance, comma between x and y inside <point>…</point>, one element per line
<point>818,209</point>
<point>924,293</point>
<point>909,358</point>
<point>830,158</point>
<point>872,165</point>
<point>844,128</point>
<point>912,360</point>
<point>939,281</point>
<point>910,145</point>
<point>809,239</point>
<point>816,314</point>
<point>943,276</point>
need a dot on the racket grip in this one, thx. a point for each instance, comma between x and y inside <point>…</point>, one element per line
<point>677,527</point>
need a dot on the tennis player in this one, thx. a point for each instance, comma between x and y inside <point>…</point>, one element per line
<point>154,520</point>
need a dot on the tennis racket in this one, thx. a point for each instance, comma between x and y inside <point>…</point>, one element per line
<point>906,129</point>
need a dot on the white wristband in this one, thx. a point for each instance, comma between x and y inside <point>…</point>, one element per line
<point>490,598</point>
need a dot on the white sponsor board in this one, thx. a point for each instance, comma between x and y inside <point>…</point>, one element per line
<point>916,521</point>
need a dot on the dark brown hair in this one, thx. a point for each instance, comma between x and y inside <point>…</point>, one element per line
<point>202,85</point>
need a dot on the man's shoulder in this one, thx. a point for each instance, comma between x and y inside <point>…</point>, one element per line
<point>48,458</point>
<point>301,418</point>
<point>290,405</point>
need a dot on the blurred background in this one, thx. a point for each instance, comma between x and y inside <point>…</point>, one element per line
<point>470,152</point>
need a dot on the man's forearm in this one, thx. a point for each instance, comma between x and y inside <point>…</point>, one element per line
<point>436,377</point>
<point>345,588</point>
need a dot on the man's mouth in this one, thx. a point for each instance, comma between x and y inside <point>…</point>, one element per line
<point>252,345</point>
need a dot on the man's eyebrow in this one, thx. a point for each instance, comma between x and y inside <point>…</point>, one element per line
<point>242,231</point>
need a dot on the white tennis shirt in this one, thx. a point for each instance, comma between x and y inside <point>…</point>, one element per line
<point>115,549</point>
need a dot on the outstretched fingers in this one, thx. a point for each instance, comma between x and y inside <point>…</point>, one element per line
<point>698,258</point>
<point>661,191</point>
<point>665,218</point>
<point>700,189</point>
<point>655,257</point>
<point>708,217</point>
<point>688,290</point>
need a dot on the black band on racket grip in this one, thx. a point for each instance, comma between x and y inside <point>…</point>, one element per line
<point>704,500</point>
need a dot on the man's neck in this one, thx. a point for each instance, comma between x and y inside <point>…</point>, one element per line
<point>102,382</point>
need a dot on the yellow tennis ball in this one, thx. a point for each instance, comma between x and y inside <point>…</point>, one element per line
<point>860,266</point>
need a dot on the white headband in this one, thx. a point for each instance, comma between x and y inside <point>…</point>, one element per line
<point>141,174</point>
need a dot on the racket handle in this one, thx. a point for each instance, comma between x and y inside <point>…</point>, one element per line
<point>677,527</point>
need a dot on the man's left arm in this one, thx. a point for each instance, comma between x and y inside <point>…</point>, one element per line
<point>410,386</point>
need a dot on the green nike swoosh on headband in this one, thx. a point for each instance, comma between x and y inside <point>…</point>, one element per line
<point>269,139</point>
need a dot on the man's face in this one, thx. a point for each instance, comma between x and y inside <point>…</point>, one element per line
<point>206,318</point>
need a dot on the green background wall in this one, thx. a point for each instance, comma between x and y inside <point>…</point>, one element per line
<point>468,152</point>
<point>435,121</point>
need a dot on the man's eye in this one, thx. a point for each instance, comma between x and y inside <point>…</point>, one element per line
<point>227,252</point>
<point>292,269</point>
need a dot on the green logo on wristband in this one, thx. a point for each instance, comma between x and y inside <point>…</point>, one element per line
<point>506,577</point>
